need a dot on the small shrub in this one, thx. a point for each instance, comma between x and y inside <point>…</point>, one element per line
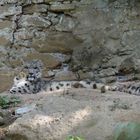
<point>6,102</point>
<point>74,138</point>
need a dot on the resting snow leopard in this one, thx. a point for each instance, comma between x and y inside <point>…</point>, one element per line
<point>32,82</point>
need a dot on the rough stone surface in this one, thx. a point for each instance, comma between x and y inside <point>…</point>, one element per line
<point>41,8</point>
<point>9,10</point>
<point>48,60</point>
<point>58,7</point>
<point>5,24</point>
<point>66,24</point>
<point>98,34</point>
<point>6,37</point>
<point>55,42</point>
<point>35,21</point>
<point>85,113</point>
<point>130,65</point>
<point>6,80</point>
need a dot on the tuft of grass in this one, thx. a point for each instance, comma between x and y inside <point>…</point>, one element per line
<point>6,102</point>
<point>74,138</point>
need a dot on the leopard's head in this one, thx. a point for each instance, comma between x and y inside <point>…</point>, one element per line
<point>34,70</point>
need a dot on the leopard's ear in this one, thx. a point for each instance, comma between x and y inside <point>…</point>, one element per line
<point>22,75</point>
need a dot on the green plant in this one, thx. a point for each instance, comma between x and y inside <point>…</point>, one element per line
<point>6,102</point>
<point>127,131</point>
<point>74,138</point>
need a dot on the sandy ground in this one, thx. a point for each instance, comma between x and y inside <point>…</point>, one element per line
<point>86,113</point>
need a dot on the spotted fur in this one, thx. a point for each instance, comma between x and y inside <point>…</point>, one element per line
<point>26,87</point>
<point>128,87</point>
<point>32,82</point>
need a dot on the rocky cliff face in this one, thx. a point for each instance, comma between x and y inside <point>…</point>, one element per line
<point>98,36</point>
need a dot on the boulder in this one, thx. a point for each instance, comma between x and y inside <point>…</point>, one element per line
<point>98,34</point>
<point>77,112</point>
<point>58,7</point>
<point>14,63</point>
<point>4,41</point>
<point>129,65</point>
<point>65,75</point>
<point>35,21</point>
<point>6,37</point>
<point>65,24</point>
<point>131,40</point>
<point>6,24</point>
<point>40,8</point>
<point>55,42</point>
<point>48,60</point>
<point>9,10</point>
<point>22,35</point>
<point>107,72</point>
<point>6,80</point>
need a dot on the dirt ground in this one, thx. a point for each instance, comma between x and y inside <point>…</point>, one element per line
<point>81,112</point>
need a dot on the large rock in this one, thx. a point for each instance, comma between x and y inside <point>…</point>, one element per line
<point>22,35</point>
<point>55,42</point>
<point>58,7</point>
<point>53,17</point>
<point>14,63</point>
<point>97,4</point>
<point>107,72</point>
<point>78,112</point>
<point>66,24</point>
<point>129,65</point>
<point>6,37</point>
<point>48,60</point>
<point>131,40</point>
<point>4,41</point>
<point>100,35</point>
<point>35,21</point>
<point>41,8</point>
<point>9,10</point>
<point>6,80</point>
<point>87,16</point>
<point>24,2</point>
<point>96,43</point>
<point>64,75</point>
<point>8,1</point>
<point>6,24</point>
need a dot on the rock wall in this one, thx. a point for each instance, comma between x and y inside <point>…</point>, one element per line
<point>98,36</point>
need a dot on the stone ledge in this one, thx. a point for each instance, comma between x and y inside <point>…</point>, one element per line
<point>37,8</point>
<point>35,21</point>
<point>6,37</point>
<point>9,10</point>
<point>6,24</point>
<point>62,7</point>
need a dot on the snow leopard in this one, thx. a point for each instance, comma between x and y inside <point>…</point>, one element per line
<point>32,82</point>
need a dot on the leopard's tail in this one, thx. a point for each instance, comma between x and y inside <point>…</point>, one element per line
<point>131,88</point>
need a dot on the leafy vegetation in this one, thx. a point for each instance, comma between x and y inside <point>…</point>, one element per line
<point>74,138</point>
<point>127,131</point>
<point>6,102</point>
